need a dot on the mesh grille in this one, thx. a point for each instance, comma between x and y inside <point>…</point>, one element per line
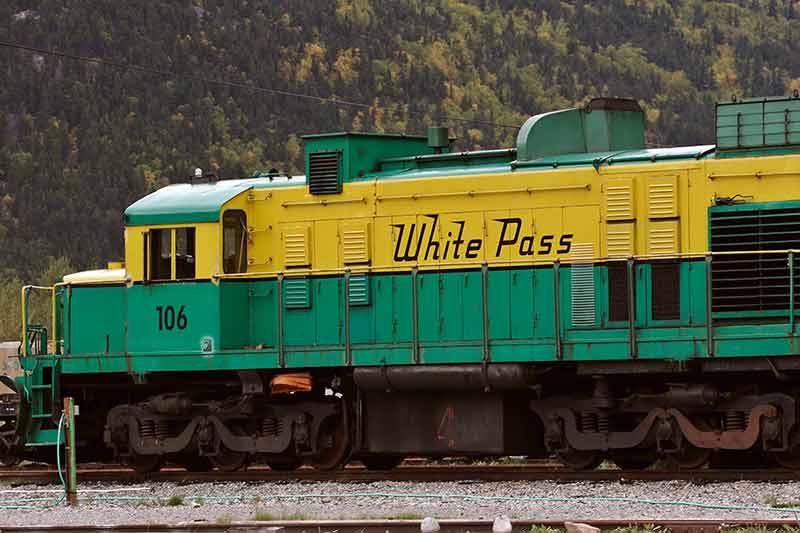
<point>323,173</point>
<point>752,282</point>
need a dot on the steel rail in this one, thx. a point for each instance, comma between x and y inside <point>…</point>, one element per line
<point>412,526</point>
<point>436,473</point>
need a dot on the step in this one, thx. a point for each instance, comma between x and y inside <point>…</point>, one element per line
<point>44,437</point>
<point>41,387</point>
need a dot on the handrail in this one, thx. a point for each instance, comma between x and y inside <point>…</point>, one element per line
<point>407,266</point>
<point>24,311</point>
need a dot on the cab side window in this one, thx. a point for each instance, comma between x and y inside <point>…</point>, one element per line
<point>170,254</point>
<point>234,241</point>
<point>184,253</point>
<point>160,254</point>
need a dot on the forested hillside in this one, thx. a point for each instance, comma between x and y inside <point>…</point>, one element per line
<point>81,141</point>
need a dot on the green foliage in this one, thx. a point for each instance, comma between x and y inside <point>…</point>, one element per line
<point>80,141</point>
<point>175,501</point>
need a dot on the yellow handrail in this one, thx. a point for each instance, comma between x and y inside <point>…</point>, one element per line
<point>24,311</point>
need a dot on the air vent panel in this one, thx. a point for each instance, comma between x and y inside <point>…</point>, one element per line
<point>324,172</point>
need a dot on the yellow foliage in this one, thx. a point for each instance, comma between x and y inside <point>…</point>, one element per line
<point>724,69</point>
<point>346,64</point>
<point>359,12</point>
<point>311,52</point>
<point>438,56</point>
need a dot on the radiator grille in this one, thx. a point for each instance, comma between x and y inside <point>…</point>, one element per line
<point>753,282</point>
<point>323,173</point>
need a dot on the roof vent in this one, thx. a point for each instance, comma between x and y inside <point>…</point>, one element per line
<point>323,172</point>
<point>604,125</point>
<point>438,138</point>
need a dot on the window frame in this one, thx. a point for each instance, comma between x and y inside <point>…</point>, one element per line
<point>242,218</point>
<point>173,271</point>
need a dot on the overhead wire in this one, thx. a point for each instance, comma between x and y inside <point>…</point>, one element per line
<point>330,100</point>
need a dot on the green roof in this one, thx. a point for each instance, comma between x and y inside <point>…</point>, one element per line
<point>185,203</point>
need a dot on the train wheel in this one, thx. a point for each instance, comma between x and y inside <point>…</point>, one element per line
<point>144,464</point>
<point>634,458</point>
<point>580,459</point>
<point>285,464</point>
<point>332,443</point>
<point>690,457</point>
<point>227,460</point>
<point>194,463</point>
<point>381,462</point>
<point>790,458</point>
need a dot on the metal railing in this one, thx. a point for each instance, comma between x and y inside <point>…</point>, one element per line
<point>34,337</point>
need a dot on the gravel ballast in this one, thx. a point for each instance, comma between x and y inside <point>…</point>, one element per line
<point>158,503</point>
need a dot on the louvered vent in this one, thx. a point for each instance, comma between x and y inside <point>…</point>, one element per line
<point>323,173</point>
<point>358,290</point>
<point>583,284</point>
<point>753,282</point>
<point>297,293</point>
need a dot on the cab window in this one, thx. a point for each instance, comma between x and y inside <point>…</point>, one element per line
<point>160,254</point>
<point>184,253</point>
<point>234,242</point>
<point>170,254</point>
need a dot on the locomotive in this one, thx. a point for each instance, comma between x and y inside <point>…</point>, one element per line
<point>578,295</point>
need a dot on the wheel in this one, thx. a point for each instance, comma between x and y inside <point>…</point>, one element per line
<point>332,443</point>
<point>690,457</point>
<point>227,460</point>
<point>285,463</point>
<point>144,464</point>
<point>580,459</point>
<point>381,462</point>
<point>194,463</point>
<point>9,460</point>
<point>634,458</point>
<point>790,458</point>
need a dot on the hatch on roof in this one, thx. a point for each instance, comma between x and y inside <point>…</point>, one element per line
<point>185,203</point>
<point>604,125</point>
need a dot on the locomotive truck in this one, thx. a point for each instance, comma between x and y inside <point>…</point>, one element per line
<point>578,295</point>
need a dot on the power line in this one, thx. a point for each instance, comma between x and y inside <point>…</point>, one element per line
<point>248,86</point>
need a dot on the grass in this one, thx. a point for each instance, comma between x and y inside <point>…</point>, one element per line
<point>607,465</point>
<point>405,516</point>
<point>758,529</point>
<point>264,516</point>
<point>224,520</point>
<point>545,529</point>
<point>175,501</point>
<point>773,501</point>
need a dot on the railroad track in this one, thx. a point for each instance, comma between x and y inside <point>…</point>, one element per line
<point>413,526</point>
<point>524,472</point>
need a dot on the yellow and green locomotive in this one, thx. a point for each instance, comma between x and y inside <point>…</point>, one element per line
<point>579,295</point>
